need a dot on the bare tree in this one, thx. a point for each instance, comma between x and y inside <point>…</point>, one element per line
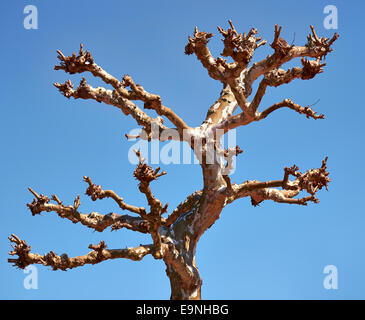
<point>174,238</point>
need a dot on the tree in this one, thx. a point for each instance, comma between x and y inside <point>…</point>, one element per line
<point>174,238</point>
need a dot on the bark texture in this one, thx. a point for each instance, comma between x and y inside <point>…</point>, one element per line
<point>175,237</point>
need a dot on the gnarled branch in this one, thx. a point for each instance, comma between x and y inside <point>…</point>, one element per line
<point>96,192</point>
<point>315,48</point>
<point>311,181</point>
<point>198,45</point>
<point>86,91</point>
<point>145,175</point>
<point>240,47</point>
<point>152,101</point>
<point>63,262</point>
<point>84,62</point>
<point>291,105</point>
<point>94,220</point>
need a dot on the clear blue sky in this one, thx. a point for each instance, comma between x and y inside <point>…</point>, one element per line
<point>48,142</point>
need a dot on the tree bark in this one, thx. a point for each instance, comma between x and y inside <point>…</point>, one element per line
<point>180,238</point>
<point>184,235</point>
<point>181,290</point>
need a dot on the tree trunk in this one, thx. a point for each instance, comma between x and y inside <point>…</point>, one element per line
<point>181,290</point>
<point>184,276</point>
<point>183,237</point>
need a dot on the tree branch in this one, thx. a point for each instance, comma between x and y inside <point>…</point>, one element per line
<point>94,220</point>
<point>291,105</point>
<point>277,77</point>
<point>198,45</point>
<point>235,121</point>
<point>63,262</point>
<point>145,175</point>
<point>96,192</point>
<point>315,48</point>
<point>222,108</point>
<point>240,47</point>
<point>242,120</point>
<point>84,62</point>
<point>311,181</point>
<point>152,101</point>
<point>85,91</point>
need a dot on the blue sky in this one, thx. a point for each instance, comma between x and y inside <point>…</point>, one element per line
<point>274,251</point>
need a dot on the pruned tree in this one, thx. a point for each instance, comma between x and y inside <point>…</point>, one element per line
<point>175,237</point>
